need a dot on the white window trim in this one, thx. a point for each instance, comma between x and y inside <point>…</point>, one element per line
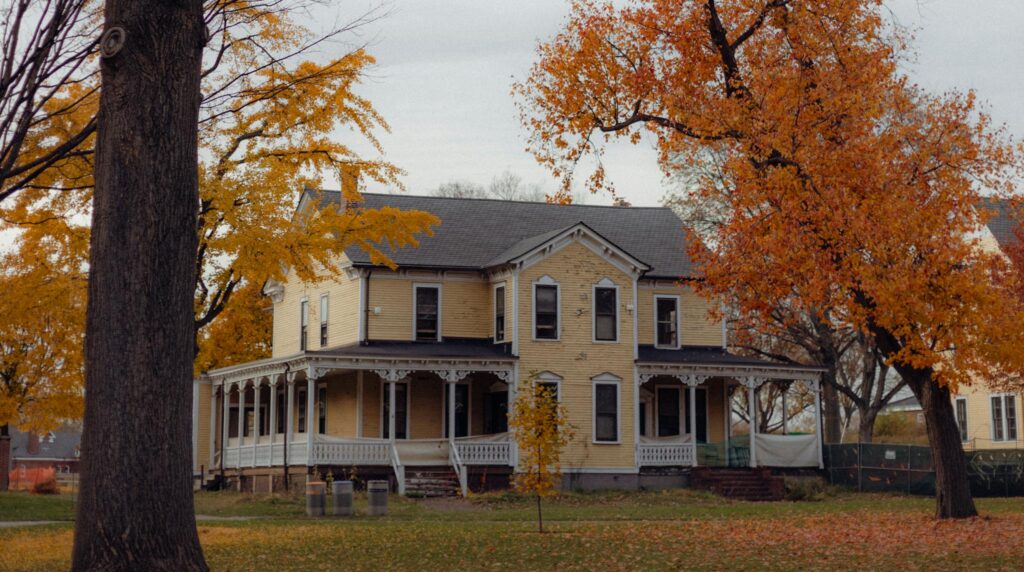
<point>494,313</point>
<point>546,281</point>
<point>324,311</point>
<point>604,284</point>
<point>657,409</point>
<point>964,431</point>
<point>301,401</point>
<point>1006,418</point>
<point>679,320</point>
<point>616,381</point>
<point>552,378</point>
<point>408,403</point>
<point>440,307</point>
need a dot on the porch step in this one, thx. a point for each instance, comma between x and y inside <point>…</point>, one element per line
<point>431,482</point>
<point>742,484</point>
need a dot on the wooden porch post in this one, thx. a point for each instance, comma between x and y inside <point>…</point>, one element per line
<point>257,385</point>
<point>226,398</point>
<point>289,421</point>
<point>451,413</point>
<point>817,421</point>
<point>359,403</point>
<point>310,423</point>
<point>752,415</point>
<point>273,420</point>
<point>241,419</point>
<point>391,411</point>
<point>213,426</point>
<point>693,422</point>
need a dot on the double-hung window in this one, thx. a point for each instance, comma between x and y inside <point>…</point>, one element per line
<point>499,314</point>
<point>323,320</point>
<point>428,313</point>
<point>606,314</point>
<point>1004,418</point>
<point>666,312</point>
<point>303,324</point>
<point>606,410</point>
<point>961,417</point>
<point>545,311</point>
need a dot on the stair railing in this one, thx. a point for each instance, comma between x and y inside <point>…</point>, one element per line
<point>460,469</point>
<point>396,464</point>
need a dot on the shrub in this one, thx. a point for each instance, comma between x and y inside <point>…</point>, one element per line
<point>807,489</point>
<point>46,486</point>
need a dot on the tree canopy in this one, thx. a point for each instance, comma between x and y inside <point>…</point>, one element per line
<point>850,193</point>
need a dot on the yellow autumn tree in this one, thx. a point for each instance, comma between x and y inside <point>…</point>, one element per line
<point>541,428</point>
<point>42,323</point>
<point>276,118</point>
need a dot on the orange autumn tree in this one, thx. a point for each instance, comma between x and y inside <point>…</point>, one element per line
<point>849,194</point>
<point>276,117</point>
<point>541,428</point>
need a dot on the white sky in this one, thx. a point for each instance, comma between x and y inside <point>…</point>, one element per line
<point>446,68</point>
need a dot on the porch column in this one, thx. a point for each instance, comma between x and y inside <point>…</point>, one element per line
<point>693,423</point>
<point>310,424</point>
<point>289,415</point>
<point>241,419</point>
<point>751,384</point>
<point>817,421</point>
<point>257,385</point>
<point>391,410</point>
<point>225,417</point>
<point>785,413</point>
<point>213,425</point>
<point>273,419</point>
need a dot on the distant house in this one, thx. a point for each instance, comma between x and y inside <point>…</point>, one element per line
<point>908,407</point>
<point>33,454</point>
<point>408,374</point>
<point>991,419</point>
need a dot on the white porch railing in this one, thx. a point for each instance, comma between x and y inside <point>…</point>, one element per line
<point>396,464</point>
<point>460,469</point>
<point>231,458</point>
<point>665,454</point>
<point>484,452</point>
<point>351,453</point>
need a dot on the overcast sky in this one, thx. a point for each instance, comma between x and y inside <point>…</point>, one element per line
<point>446,67</point>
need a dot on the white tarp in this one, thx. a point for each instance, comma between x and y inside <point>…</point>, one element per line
<point>671,439</point>
<point>787,450</point>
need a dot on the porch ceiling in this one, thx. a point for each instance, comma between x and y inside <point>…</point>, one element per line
<point>716,362</point>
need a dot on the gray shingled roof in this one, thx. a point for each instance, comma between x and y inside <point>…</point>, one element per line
<point>64,445</point>
<point>476,232</point>
<point>1003,223</point>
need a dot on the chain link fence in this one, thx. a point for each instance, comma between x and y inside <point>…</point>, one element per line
<point>879,467</point>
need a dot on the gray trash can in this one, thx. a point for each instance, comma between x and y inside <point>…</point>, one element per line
<point>377,495</point>
<point>342,493</point>
<point>316,493</point>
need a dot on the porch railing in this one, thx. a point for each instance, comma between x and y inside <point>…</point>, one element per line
<point>460,469</point>
<point>351,453</point>
<point>484,452</point>
<point>665,454</point>
<point>396,464</point>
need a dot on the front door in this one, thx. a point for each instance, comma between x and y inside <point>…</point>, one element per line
<point>461,410</point>
<point>668,411</point>
<point>496,412</point>
<point>702,414</point>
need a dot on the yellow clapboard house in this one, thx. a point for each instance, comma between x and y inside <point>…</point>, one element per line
<point>597,301</point>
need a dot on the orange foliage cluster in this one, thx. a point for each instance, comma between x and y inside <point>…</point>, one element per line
<point>849,194</point>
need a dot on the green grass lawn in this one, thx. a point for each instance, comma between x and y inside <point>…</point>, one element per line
<point>677,529</point>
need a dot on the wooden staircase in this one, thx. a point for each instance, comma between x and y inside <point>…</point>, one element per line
<point>740,483</point>
<point>431,482</point>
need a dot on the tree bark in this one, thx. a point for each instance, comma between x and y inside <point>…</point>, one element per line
<point>135,509</point>
<point>952,488</point>
<point>866,427</point>
<point>831,418</point>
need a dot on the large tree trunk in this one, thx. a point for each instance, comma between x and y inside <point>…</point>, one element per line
<point>5,457</point>
<point>952,488</point>
<point>135,509</point>
<point>866,427</point>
